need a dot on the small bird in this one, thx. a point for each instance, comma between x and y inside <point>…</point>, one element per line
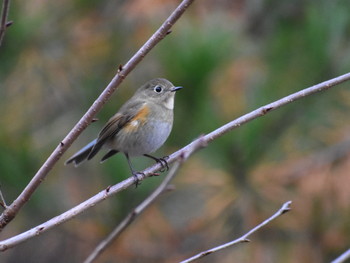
<point>140,127</point>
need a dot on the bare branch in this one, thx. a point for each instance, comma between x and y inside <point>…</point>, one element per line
<point>104,194</point>
<point>4,24</point>
<point>146,203</point>
<point>342,257</point>
<point>17,204</point>
<point>2,200</point>
<point>132,215</point>
<point>277,104</point>
<point>285,208</point>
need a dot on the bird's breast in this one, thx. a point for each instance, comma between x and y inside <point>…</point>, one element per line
<point>145,133</point>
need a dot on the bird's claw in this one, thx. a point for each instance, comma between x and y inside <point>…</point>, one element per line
<point>137,179</point>
<point>162,161</point>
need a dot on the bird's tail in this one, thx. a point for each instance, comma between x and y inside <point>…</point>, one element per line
<point>81,155</point>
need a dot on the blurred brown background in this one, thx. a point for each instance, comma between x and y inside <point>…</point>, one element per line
<point>231,57</point>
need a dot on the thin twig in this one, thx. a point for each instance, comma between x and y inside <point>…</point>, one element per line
<point>141,207</point>
<point>104,194</point>
<point>3,23</point>
<point>17,204</point>
<point>2,200</point>
<point>285,208</point>
<point>132,216</point>
<point>342,257</point>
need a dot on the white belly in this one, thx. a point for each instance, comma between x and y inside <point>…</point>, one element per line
<point>147,139</point>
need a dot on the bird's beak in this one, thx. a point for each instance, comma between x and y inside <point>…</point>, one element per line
<point>173,89</point>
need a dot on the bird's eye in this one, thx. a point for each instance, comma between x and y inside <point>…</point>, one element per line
<point>158,89</point>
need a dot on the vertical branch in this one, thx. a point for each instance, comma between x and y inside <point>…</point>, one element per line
<point>3,22</point>
<point>2,200</point>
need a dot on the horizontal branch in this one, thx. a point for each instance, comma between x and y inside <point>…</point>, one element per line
<point>104,194</point>
<point>285,208</point>
<point>11,211</point>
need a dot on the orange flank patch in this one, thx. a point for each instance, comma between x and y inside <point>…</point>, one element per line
<point>139,119</point>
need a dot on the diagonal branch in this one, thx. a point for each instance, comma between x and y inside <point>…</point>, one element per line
<point>343,257</point>
<point>284,209</point>
<point>146,203</point>
<point>131,217</point>
<point>11,211</point>
<point>104,194</point>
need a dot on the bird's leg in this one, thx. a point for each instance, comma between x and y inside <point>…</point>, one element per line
<point>134,173</point>
<point>161,161</point>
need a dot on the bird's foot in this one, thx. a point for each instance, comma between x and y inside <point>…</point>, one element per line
<point>138,176</point>
<point>162,161</point>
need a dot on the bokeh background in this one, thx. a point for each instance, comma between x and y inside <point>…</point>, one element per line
<point>231,57</point>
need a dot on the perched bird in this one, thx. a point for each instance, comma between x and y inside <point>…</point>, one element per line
<point>140,127</point>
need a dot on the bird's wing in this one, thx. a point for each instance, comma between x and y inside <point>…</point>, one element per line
<point>119,121</point>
